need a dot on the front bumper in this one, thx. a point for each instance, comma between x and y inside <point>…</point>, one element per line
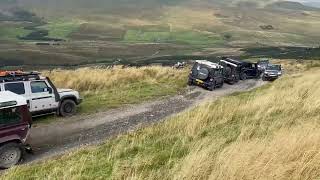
<point>79,101</point>
<point>271,77</point>
<point>200,82</point>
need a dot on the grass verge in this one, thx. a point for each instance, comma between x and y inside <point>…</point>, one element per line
<point>269,133</point>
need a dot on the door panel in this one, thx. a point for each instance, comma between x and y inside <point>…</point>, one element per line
<point>41,98</point>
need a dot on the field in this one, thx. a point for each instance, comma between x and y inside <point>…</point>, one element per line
<point>270,132</point>
<point>61,28</point>
<point>105,88</point>
<point>104,31</point>
<point>11,31</point>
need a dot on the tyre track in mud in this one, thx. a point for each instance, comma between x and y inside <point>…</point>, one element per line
<point>60,137</point>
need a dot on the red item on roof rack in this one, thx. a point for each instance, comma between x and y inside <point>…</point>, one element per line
<point>11,73</point>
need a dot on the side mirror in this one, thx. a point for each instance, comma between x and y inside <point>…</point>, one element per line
<point>49,89</point>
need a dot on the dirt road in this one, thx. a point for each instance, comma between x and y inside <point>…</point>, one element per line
<point>61,136</point>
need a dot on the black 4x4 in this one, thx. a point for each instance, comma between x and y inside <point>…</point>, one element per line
<point>245,69</point>
<point>206,74</point>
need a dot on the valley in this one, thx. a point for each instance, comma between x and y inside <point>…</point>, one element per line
<point>31,33</point>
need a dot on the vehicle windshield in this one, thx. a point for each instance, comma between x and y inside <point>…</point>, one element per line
<point>274,68</point>
<point>264,62</point>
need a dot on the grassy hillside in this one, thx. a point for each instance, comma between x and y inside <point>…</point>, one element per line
<point>98,31</point>
<point>106,88</point>
<point>268,133</point>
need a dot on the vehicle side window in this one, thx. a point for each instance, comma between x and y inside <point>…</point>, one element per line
<point>39,87</point>
<point>17,88</point>
<point>9,117</point>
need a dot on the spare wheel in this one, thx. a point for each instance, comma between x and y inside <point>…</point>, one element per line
<point>203,74</point>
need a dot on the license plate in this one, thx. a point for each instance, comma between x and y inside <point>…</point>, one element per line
<point>199,81</point>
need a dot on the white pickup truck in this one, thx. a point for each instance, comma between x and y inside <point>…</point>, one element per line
<point>41,94</point>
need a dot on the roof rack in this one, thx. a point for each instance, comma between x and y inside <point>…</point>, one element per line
<point>9,76</point>
<point>210,64</point>
<point>237,62</point>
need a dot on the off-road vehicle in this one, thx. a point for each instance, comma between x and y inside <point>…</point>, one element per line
<point>245,70</point>
<point>42,96</point>
<point>230,72</point>
<point>15,123</point>
<point>262,64</point>
<point>206,74</point>
<point>272,72</point>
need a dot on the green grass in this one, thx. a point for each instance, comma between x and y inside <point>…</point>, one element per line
<point>270,132</point>
<point>62,28</point>
<point>131,93</point>
<point>11,33</point>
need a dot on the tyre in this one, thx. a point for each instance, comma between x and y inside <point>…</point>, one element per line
<point>190,83</point>
<point>212,86</point>
<point>221,85</point>
<point>10,155</point>
<point>259,76</point>
<point>67,108</point>
<point>203,74</point>
<point>264,78</point>
<point>243,76</point>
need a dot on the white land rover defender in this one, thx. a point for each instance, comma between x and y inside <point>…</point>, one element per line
<point>42,96</point>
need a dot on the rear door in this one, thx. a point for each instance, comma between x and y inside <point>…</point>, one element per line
<point>218,74</point>
<point>252,70</point>
<point>12,126</point>
<point>41,97</point>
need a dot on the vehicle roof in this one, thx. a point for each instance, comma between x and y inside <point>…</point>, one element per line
<point>237,62</point>
<point>210,64</point>
<point>14,76</point>
<point>9,97</point>
<point>264,60</point>
<point>230,63</point>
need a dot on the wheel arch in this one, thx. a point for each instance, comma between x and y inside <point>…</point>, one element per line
<point>13,140</point>
<point>68,97</point>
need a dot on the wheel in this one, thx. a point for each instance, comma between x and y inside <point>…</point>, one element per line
<point>243,76</point>
<point>190,83</point>
<point>259,76</point>
<point>67,108</point>
<point>10,155</point>
<point>264,78</point>
<point>221,85</point>
<point>212,86</point>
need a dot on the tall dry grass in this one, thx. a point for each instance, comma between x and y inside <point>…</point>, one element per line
<point>97,79</point>
<point>269,133</point>
<point>110,88</point>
